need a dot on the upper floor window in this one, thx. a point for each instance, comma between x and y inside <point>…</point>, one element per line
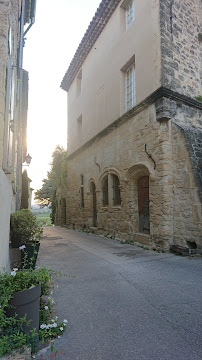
<point>130,14</point>
<point>78,83</point>
<point>79,130</point>
<point>127,13</point>
<point>130,87</point>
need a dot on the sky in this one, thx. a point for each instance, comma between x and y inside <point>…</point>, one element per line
<point>49,48</point>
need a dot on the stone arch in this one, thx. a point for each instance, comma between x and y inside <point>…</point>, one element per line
<point>138,178</point>
<point>109,184</point>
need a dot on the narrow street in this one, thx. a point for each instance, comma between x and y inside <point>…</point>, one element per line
<point>122,302</point>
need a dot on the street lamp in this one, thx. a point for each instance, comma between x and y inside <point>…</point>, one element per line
<point>28,159</point>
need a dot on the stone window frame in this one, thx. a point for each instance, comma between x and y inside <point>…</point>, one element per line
<point>108,187</point>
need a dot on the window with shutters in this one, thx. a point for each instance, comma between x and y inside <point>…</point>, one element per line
<point>130,87</point>
<point>105,191</point>
<point>116,190</point>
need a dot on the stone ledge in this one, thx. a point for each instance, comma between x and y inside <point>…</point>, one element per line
<point>144,239</point>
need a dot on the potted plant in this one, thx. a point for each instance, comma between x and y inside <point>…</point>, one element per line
<point>25,234</point>
<point>19,306</point>
<point>26,314</point>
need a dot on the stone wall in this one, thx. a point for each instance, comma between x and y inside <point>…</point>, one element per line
<point>180,23</point>
<point>60,215</point>
<point>145,145</point>
<point>187,208</point>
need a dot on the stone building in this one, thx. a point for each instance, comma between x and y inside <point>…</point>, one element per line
<point>135,123</point>
<point>14,15</point>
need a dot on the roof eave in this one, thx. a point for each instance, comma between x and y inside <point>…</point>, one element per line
<point>99,21</point>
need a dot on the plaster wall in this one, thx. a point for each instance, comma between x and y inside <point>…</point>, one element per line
<point>6,195</point>
<point>9,16</point>
<point>101,99</point>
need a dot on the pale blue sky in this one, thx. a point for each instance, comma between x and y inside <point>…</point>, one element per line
<point>49,49</point>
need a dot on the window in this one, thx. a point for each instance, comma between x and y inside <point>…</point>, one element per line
<point>105,191</point>
<point>130,87</point>
<point>82,192</point>
<point>116,190</point>
<point>79,129</point>
<point>78,83</point>
<point>111,190</point>
<point>130,14</point>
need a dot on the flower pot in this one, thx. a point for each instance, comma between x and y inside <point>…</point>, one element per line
<point>30,251</point>
<point>26,302</point>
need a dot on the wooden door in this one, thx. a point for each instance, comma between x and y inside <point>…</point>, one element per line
<point>94,199</point>
<point>143,204</point>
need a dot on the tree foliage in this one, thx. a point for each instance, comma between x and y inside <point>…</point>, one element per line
<point>25,191</point>
<point>56,177</point>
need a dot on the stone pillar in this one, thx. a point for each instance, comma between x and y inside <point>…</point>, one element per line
<point>163,220</point>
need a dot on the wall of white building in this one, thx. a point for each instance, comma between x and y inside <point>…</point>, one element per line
<point>97,97</point>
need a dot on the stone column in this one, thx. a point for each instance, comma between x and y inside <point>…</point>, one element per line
<point>163,220</point>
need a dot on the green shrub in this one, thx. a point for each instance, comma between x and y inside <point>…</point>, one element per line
<point>24,228</point>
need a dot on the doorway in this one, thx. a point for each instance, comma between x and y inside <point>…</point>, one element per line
<point>94,204</point>
<point>143,204</point>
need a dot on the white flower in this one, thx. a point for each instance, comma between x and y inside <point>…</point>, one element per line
<point>61,328</point>
<point>54,325</point>
<point>65,322</point>
<point>56,317</point>
<point>15,269</point>
<point>59,337</point>
<point>13,273</point>
<point>43,326</point>
<point>46,307</point>
<point>22,247</point>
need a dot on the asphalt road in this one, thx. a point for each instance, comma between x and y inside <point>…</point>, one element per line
<point>123,302</point>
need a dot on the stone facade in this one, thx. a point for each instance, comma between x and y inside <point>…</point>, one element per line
<point>150,156</point>
<point>175,208</point>
<point>180,23</point>
<point>60,215</point>
<point>13,114</point>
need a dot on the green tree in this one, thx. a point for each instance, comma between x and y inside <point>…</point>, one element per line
<point>25,191</point>
<point>56,177</point>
